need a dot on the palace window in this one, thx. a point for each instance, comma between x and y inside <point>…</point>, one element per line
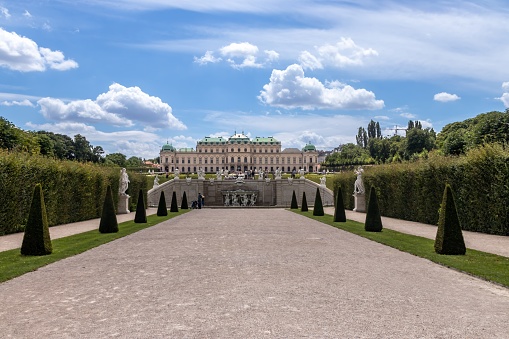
<point>245,159</point>
<point>233,160</point>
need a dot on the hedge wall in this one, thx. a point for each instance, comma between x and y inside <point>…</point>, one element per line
<point>413,191</point>
<point>73,191</point>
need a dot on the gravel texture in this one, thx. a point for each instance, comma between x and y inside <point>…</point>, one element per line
<point>240,273</point>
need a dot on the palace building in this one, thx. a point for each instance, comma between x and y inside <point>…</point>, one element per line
<point>238,154</point>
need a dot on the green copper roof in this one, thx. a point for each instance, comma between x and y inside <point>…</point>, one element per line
<point>309,147</point>
<point>269,140</point>
<point>168,147</point>
<point>212,141</point>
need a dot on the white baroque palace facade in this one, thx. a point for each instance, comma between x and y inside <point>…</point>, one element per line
<point>238,154</point>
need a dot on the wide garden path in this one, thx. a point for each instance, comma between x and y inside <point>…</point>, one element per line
<point>241,273</point>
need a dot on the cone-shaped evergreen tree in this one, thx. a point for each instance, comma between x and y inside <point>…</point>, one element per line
<point>373,219</point>
<point>449,239</point>
<point>174,207</point>
<point>108,223</point>
<point>294,201</point>
<point>339,211</point>
<point>161,208</point>
<point>318,206</point>
<point>184,205</point>
<point>141,214</point>
<point>304,205</point>
<point>36,240</point>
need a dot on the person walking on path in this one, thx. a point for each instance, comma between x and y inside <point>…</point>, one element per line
<point>200,200</point>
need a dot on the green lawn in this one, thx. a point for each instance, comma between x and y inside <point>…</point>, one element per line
<point>487,266</point>
<point>13,264</point>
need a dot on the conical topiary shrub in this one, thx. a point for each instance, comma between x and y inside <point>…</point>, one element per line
<point>339,211</point>
<point>304,205</point>
<point>318,206</point>
<point>36,240</point>
<point>373,219</point>
<point>161,208</point>
<point>108,223</point>
<point>449,239</point>
<point>141,214</point>
<point>174,206</point>
<point>294,201</point>
<point>184,205</point>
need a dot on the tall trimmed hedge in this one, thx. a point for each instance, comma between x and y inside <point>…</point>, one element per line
<point>413,191</point>
<point>449,238</point>
<point>72,191</point>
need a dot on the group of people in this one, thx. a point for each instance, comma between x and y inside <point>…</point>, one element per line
<point>199,203</point>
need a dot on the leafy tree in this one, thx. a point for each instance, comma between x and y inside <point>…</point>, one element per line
<point>350,154</point>
<point>82,148</point>
<point>362,138</point>
<point>134,162</point>
<point>36,240</point>
<point>117,159</point>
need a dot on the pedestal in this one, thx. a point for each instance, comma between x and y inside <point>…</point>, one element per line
<point>360,202</point>
<point>123,204</point>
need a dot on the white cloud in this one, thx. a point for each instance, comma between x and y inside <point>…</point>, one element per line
<point>207,58</point>
<point>291,89</point>
<point>22,54</point>
<point>27,14</point>
<point>5,12</point>
<point>445,97</point>
<point>272,55</point>
<point>120,106</point>
<point>505,96</point>
<point>47,27</point>
<point>381,117</point>
<point>408,115</point>
<point>240,55</point>
<point>24,102</point>
<point>342,54</point>
<point>309,61</point>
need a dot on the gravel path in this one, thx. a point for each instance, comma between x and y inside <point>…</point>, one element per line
<point>243,273</point>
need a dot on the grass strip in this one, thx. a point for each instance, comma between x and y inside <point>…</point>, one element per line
<point>487,266</point>
<point>13,264</point>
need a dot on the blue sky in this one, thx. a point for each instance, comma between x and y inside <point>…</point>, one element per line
<point>130,75</point>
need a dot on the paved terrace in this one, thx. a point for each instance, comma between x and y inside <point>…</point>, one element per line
<point>249,273</point>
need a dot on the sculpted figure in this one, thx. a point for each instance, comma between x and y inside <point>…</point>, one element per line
<point>156,180</point>
<point>323,180</point>
<point>124,182</point>
<point>359,185</point>
<point>177,172</point>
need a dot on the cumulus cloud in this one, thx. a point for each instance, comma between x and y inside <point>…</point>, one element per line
<point>22,54</point>
<point>27,14</point>
<point>207,58</point>
<point>505,96</point>
<point>342,54</point>
<point>120,106</point>
<point>291,89</point>
<point>240,55</point>
<point>445,97</point>
<point>309,61</point>
<point>24,102</point>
